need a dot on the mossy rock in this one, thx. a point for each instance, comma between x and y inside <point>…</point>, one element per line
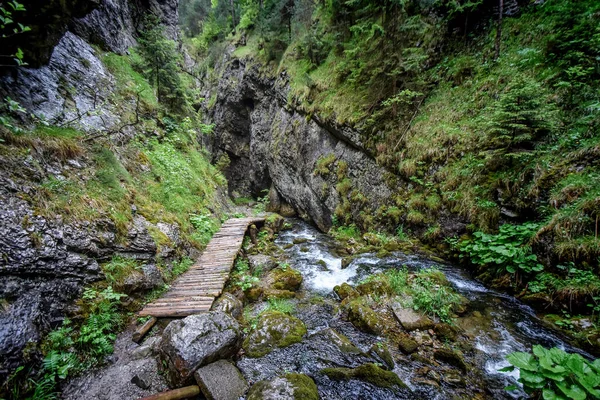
<point>346,261</point>
<point>340,341</point>
<point>451,357</point>
<point>369,373</point>
<point>300,240</point>
<point>288,279</point>
<point>405,342</point>
<point>382,352</point>
<point>363,317</point>
<point>273,330</point>
<point>379,287</point>
<point>289,387</point>
<point>446,331</point>
<point>278,294</point>
<point>254,293</point>
<point>345,291</point>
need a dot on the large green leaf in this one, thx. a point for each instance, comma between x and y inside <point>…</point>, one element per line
<point>549,394</point>
<point>574,392</point>
<point>523,361</point>
<point>531,377</point>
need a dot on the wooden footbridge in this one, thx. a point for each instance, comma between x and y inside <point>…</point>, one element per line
<point>195,290</point>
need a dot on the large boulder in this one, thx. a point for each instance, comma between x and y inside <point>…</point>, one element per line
<point>221,380</point>
<point>289,387</point>
<point>197,340</point>
<point>370,373</point>
<point>273,330</point>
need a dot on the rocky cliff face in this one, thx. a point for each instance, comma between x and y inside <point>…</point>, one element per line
<point>45,262</point>
<point>271,145</point>
<point>70,86</point>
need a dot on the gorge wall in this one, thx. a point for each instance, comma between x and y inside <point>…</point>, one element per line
<point>45,261</point>
<point>313,165</point>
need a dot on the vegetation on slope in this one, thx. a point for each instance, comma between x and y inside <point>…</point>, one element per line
<point>495,129</point>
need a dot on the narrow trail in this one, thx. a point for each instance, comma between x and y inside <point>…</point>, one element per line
<point>194,291</point>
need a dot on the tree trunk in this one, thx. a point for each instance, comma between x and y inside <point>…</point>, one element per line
<point>499,29</point>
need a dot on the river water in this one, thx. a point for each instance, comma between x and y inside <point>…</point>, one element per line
<point>495,324</point>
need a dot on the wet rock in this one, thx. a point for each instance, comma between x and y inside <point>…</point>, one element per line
<point>273,330</point>
<point>285,279</point>
<point>195,341</point>
<point>261,262</point>
<point>410,319</point>
<point>405,343</point>
<point>451,357</point>
<point>221,380</point>
<point>278,294</point>
<point>370,373</point>
<point>446,332</point>
<point>143,380</point>
<point>364,318</point>
<point>141,281</point>
<point>345,291</point>
<point>454,378</point>
<point>342,342</point>
<point>289,387</point>
<point>381,351</point>
<point>300,240</point>
<point>148,348</point>
<point>346,261</point>
<point>228,304</point>
<point>378,287</point>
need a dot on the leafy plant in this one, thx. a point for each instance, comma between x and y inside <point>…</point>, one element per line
<point>205,227</point>
<point>555,374</point>
<point>508,250</point>
<point>282,305</point>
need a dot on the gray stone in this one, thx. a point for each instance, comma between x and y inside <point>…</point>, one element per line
<point>410,319</point>
<point>197,340</point>
<point>143,380</point>
<point>229,304</point>
<point>264,262</point>
<point>221,380</point>
<point>288,387</point>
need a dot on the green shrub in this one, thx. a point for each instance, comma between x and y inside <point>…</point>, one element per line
<point>555,374</point>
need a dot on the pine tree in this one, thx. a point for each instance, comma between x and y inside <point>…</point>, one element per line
<point>160,60</point>
<point>521,115</point>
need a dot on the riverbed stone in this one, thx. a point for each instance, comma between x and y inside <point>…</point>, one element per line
<point>285,279</point>
<point>381,351</point>
<point>446,331</point>
<point>345,291</point>
<point>274,329</point>
<point>451,357</point>
<point>221,380</point>
<point>229,304</point>
<point>363,317</point>
<point>288,387</point>
<point>370,373</point>
<point>410,319</point>
<point>197,340</point>
<point>379,287</point>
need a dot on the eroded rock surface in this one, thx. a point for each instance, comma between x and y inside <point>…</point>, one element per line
<point>197,340</point>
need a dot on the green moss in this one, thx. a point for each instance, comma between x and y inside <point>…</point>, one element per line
<point>363,317</point>
<point>304,387</point>
<point>274,329</point>
<point>370,373</point>
<point>323,164</point>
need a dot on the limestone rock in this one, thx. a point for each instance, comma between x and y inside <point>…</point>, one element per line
<point>228,304</point>
<point>285,279</point>
<point>221,380</point>
<point>364,318</point>
<point>345,291</point>
<point>410,319</point>
<point>197,340</point>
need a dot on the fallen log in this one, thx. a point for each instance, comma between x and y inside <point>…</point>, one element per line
<point>139,334</point>
<point>177,394</point>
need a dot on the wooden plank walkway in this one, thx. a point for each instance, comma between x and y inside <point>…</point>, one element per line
<point>195,290</point>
